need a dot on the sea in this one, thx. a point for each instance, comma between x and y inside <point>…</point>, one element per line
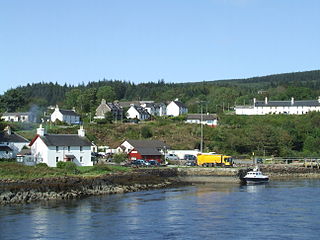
<point>286,209</point>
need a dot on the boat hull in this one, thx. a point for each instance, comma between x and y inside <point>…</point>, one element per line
<point>256,180</point>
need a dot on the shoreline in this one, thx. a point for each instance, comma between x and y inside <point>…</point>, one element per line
<point>44,189</point>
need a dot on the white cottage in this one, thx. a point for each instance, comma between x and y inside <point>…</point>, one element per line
<point>52,148</point>
<point>176,108</point>
<point>279,107</point>
<point>11,143</point>
<point>205,119</point>
<point>19,117</point>
<point>68,116</point>
<point>138,112</point>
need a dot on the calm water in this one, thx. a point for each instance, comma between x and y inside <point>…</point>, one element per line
<point>278,210</point>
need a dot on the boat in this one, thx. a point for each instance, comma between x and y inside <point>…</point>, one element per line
<point>255,176</point>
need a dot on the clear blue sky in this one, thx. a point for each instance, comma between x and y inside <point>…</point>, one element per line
<point>74,41</point>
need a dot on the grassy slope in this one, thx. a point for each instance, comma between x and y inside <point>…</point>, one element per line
<point>12,170</point>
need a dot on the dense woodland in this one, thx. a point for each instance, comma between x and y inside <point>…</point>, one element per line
<point>277,135</point>
<point>216,95</point>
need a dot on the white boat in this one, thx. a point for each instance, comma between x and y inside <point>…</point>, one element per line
<point>255,176</point>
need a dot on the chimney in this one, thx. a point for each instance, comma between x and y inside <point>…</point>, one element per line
<point>254,101</point>
<point>81,132</point>
<point>103,101</point>
<point>177,99</point>
<point>8,129</point>
<point>57,107</point>
<point>266,100</point>
<point>292,101</point>
<point>319,99</point>
<point>74,109</point>
<point>40,131</point>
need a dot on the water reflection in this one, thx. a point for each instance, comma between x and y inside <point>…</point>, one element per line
<point>202,211</point>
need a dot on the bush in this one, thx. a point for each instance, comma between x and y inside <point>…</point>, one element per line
<point>120,157</point>
<point>8,160</point>
<point>70,167</point>
<point>41,165</point>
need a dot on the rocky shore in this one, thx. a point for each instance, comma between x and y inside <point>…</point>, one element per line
<point>25,191</point>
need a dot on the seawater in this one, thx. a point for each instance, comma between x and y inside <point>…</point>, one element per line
<point>277,210</point>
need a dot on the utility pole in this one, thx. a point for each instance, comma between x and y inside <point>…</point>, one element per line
<point>201,128</point>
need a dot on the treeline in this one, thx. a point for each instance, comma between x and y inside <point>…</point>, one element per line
<point>277,135</point>
<point>216,96</point>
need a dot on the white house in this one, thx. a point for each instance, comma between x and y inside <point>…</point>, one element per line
<point>205,119</point>
<point>176,108</point>
<point>52,148</point>
<point>155,109</point>
<point>68,116</point>
<point>11,143</point>
<point>279,107</point>
<point>18,117</point>
<point>138,112</point>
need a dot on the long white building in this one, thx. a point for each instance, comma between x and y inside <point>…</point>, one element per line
<point>279,107</point>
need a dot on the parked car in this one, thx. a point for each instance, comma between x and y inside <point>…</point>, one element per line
<point>139,162</point>
<point>171,156</point>
<point>190,157</point>
<point>154,163</point>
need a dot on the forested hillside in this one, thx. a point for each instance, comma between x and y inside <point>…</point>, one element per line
<point>217,95</point>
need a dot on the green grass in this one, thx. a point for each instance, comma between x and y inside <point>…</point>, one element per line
<point>12,170</point>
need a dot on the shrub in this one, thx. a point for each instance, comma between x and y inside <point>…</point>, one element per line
<point>70,167</point>
<point>120,157</point>
<point>41,165</point>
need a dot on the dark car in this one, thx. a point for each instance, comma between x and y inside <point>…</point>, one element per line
<point>139,162</point>
<point>154,163</point>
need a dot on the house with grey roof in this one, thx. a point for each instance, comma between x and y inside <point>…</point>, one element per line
<point>11,143</point>
<point>105,107</point>
<point>279,107</point>
<point>67,116</point>
<point>143,149</point>
<point>137,112</point>
<point>19,117</point>
<point>205,119</point>
<point>52,148</point>
<point>176,108</point>
<point>155,109</point>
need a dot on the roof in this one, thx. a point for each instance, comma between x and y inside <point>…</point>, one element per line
<point>141,110</point>
<point>205,117</point>
<point>25,151</point>
<point>13,137</point>
<point>309,103</point>
<point>15,113</point>
<point>5,148</point>
<point>148,151</point>
<point>64,140</point>
<point>180,104</point>
<point>68,112</point>
<point>147,144</point>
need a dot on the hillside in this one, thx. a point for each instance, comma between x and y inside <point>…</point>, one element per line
<point>217,95</point>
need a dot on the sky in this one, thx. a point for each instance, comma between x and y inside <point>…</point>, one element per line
<point>77,41</point>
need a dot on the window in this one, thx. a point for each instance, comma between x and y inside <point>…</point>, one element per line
<point>80,159</point>
<point>57,159</point>
<point>57,148</point>
<point>81,149</point>
<point>68,148</point>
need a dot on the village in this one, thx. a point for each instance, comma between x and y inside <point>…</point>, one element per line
<point>77,148</point>
<point>50,148</point>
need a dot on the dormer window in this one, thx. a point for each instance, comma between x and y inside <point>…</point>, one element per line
<point>81,149</point>
<point>57,148</point>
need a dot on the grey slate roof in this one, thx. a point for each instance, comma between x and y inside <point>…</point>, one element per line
<point>65,140</point>
<point>309,103</point>
<point>180,104</point>
<point>148,151</point>
<point>205,117</point>
<point>141,110</point>
<point>147,144</point>
<point>5,148</point>
<point>13,137</point>
<point>68,112</point>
